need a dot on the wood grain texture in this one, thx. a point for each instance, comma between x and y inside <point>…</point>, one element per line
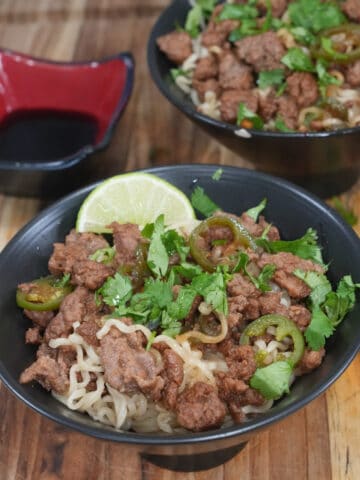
<point>321,441</point>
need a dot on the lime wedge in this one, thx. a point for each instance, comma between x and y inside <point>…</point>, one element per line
<point>133,198</point>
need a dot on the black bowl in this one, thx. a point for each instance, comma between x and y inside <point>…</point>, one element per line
<point>326,163</point>
<point>289,207</point>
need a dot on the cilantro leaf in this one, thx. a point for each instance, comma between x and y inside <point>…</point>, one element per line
<point>281,126</point>
<point>103,255</point>
<point>347,213</point>
<point>262,281</point>
<point>247,27</point>
<point>245,115</point>
<point>158,258</point>
<point>212,287</point>
<point>180,308</point>
<point>238,12</point>
<point>324,78</point>
<point>255,211</point>
<point>273,380</point>
<point>193,21</point>
<point>318,330</point>
<point>315,15</point>
<point>187,270</point>
<point>305,247</point>
<point>202,203</point>
<point>217,174</point>
<point>270,78</point>
<point>175,243</point>
<point>63,281</point>
<point>303,35</point>
<point>178,72</point>
<point>116,290</point>
<point>296,59</point>
<point>319,284</point>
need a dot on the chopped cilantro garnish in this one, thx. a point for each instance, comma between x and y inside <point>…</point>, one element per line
<point>238,12</point>
<point>328,307</point>
<point>262,281</point>
<point>178,72</point>
<point>202,9</point>
<point>273,380</point>
<point>217,174</point>
<point>281,126</point>
<point>270,78</point>
<point>255,211</point>
<point>158,258</point>
<point>324,78</point>
<point>247,118</point>
<point>315,15</point>
<point>202,203</point>
<point>302,35</point>
<point>63,281</point>
<point>347,213</point>
<point>305,247</point>
<point>116,290</point>
<point>297,59</point>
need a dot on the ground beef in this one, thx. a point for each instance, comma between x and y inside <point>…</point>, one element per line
<point>295,287</point>
<point>302,86</point>
<point>173,374</point>
<point>241,285</point>
<point>48,373</point>
<point>33,336</point>
<point>288,111</point>
<point>310,360</point>
<point>241,361</point>
<point>217,31</point>
<point>128,367</point>
<point>257,229</point>
<point>268,105</point>
<point>234,75</point>
<point>41,319</point>
<point>90,274</point>
<point>127,239</point>
<point>300,315</point>
<point>229,103</point>
<point>351,8</point>
<point>237,304</point>
<point>210,85</point>
<point>206,68</point>
<point>289,262</point>
<point>176,45</point>
<point>352,73</point>
<point>270,302</point>
<point>77,246</point>
<point>78,306</point>
<point>199,408</point>
<point>88,331</point>
<point>263,51</point>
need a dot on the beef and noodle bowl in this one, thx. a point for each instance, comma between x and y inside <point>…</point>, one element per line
<point>154,329</point>
<point>276,65</point>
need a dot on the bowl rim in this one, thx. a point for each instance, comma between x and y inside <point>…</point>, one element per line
<point>71,160</point>
<point>190,110</point>
<point>264,420</point>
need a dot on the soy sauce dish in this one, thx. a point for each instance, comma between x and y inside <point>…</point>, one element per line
<point>266,80</point>
<point>54,116</point>
<point>289,207</point>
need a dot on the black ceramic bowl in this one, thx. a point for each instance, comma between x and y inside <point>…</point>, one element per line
<point>289,207</point>
<point>326,163</point>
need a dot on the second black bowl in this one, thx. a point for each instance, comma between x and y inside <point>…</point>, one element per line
<point>326,163</point>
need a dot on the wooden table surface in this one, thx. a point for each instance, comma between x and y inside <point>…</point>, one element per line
<point>319,442</point>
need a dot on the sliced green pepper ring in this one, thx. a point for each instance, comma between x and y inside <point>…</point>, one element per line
<point>284,328</point>
<point>327,44</point>
<point>241,237</point>
<point>42,294</point>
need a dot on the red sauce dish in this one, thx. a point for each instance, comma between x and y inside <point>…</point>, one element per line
<point>53,115</point>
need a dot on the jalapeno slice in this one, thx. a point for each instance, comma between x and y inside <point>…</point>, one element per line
<point>284,328</point>
<point>42,294</point>
<point>339,44</point>
<point>198,250</point>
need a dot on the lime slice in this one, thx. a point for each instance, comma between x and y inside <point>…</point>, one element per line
<point>133,198</point>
